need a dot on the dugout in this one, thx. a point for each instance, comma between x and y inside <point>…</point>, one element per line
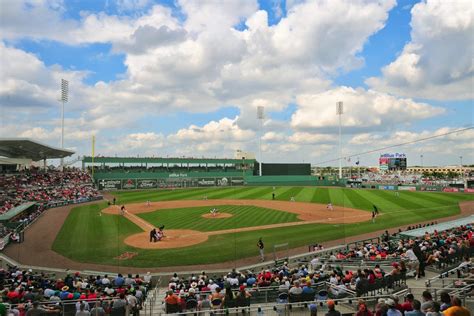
<point>15,214</point>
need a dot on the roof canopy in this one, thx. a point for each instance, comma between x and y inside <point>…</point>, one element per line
<point>135,160</point>
<point>15,211</point>
<point>27,148</point>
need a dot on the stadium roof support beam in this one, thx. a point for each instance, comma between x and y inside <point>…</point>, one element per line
<point>27,148</point>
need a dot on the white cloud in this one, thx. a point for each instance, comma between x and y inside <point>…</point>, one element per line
<point>224,130</point>
<point>363,110</point>
<point>273,137</point>
<point>311,138</point>
<point>438,62</point>
<point>202,62</point>
<point>25,82</point>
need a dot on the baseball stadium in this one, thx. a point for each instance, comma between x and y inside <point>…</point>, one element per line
<point>165,215</point>
<point>236,157</point>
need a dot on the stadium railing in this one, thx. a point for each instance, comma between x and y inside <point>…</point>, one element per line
<point>347,306</point>
<point>444,278</point>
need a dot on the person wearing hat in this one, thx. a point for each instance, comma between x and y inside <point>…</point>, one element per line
<point>332,309</point>
<point>243,292</point>
<point>392,310</point>
<point>64,293</point>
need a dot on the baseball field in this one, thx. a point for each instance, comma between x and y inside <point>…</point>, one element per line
<point>98,233</point>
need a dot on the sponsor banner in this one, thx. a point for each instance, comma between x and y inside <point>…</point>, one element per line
<point>178,175</point>
<point>110,184</point>
<point>450,190</point>
<point>129,184</point>
<point>432,189</point>
<point>386,187</point>
<point>223,182</point>
<point>468,190</point>
<point>206,182</point>
<point>406,188</point>
<point>237,181</point>
<point>147,184</point>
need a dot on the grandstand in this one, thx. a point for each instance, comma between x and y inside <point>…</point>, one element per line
<point>28,191</point>
<point>369,272</point>
<point>113,173</point>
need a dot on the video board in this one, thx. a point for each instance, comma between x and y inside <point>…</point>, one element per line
<point>394,161</point>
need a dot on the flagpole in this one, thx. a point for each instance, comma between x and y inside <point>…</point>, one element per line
<point>93,154</point>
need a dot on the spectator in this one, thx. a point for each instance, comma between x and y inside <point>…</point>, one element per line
<point>392,310</point>
<point>332,309</point>
<point>445,301</point>
<point>362,309</point>
<point>456,308</point>
<point>435,311</point>
<point>82,310</point>
<point>427,301</point>
<point>416,309</point>
<point>97,310</point>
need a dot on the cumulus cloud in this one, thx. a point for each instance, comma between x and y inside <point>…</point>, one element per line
<point>363,110</point>
<point>202,62</point>
<point>437,63</point>
<point>27,83</point>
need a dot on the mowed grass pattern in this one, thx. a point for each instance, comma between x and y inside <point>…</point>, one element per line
<point>88,237</point>
<point>243,216</point>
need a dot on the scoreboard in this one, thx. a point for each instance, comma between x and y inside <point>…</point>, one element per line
<point>395,161</point>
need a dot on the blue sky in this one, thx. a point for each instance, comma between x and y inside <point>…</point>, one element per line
<point>185,77</point>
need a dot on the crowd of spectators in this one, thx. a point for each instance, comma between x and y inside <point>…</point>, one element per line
<point>22,291</point>
<point>391,178</point>
<point>202,292</point>
<point>409,306</point>
<point>410,255</point>
<point>53,186</point>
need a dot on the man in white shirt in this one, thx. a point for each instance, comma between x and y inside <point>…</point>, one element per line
<point>212,286</point>
<point>105,280</point>
<point>413,263</point>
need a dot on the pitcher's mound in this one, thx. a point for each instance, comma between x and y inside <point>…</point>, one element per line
<point>218,215</point>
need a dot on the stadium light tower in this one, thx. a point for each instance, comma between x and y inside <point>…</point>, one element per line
<point>462,171</point>
<point>260,116</point>
<point>64,99</point>
<point>339,111</point>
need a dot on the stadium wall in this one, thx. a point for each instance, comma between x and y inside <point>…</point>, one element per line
<point>141,181</point>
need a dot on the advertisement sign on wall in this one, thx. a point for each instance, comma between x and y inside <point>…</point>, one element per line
<point>129,184</point>
<point>147,184</point>
<point>207,182</point>
<point>110,184</point>
<point>386,187</point>
<point>450,190</point>
<point>406,188</point>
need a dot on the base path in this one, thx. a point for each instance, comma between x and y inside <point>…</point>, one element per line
<point>308,213</point>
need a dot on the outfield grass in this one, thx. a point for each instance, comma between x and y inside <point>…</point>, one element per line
<point>88,237</point>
